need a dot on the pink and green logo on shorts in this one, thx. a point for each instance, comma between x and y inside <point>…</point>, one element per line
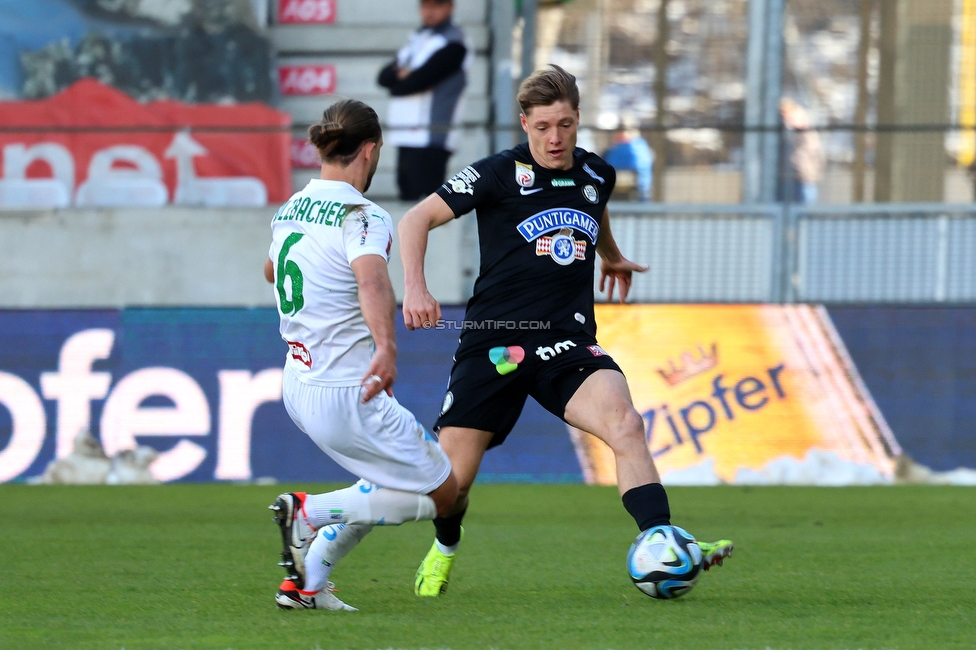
<point>506,359</point>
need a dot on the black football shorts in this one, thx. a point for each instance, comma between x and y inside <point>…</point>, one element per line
<point>490,381</point>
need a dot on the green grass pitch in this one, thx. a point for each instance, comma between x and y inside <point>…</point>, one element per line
<point>541,566</point>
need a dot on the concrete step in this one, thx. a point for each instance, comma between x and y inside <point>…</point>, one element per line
<point>355,76</point>
<point>346,39</point>
<point>397,12</point>
<point>473,146</point>
<point>308,110</point>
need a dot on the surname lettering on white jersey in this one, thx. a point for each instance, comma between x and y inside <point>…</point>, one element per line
<point>315,237</point>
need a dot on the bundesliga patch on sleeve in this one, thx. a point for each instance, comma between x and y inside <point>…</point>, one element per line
<point>524,175</point>
<point>463,182</point>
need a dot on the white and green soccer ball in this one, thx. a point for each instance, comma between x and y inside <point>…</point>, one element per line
<point>664,562</point>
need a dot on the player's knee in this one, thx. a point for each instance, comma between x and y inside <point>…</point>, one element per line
<point>446,509</point>
<point>626,432</point>
<point>463,490</point>
<point>446,496</point>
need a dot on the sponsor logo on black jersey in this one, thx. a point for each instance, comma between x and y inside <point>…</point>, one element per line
<point>506,358</point>
<point>547,221</point>
<point>562,248</point>
<point>545,352</point>
<point>563,182</point>
<point>463,182</point>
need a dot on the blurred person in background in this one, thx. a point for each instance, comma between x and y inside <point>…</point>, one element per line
<point>328,262</point>
<point>633,160</point>
<point>542,220</point>
<point>426,82</point>
<point>806,155</point>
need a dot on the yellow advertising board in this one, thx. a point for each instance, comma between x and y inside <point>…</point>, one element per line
<point>742,394</point>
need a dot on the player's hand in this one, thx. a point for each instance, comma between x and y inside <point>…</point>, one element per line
<point>381,374</point>
<point>420,310</point>
<point>618,274</point>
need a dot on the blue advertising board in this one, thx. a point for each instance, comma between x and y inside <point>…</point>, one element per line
<point>202,386</point>
<point>920,365</point>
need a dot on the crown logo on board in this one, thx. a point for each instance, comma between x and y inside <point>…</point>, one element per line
<point>689,365</point>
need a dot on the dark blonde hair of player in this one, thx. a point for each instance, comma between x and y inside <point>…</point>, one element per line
<point>602,405</point>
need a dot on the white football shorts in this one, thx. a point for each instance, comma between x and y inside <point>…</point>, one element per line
<point>379,441</point>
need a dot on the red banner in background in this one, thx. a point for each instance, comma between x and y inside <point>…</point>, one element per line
<point>304,155</point>
<point>92,145</point>
<point>307,79</point>
<point>320,12</point>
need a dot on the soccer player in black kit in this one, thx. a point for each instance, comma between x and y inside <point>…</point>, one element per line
<point>542,219</point>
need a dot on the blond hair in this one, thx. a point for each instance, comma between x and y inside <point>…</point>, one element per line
<point>546,87</point>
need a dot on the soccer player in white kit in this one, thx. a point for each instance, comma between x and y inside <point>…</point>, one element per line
<point>328,263</point>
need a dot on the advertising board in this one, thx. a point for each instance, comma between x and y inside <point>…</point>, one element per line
<point>305,12</point>
<point>741,394</point>
<point>92,145</point>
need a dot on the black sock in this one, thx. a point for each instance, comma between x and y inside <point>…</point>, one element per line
<point>449,528</point>
<point>648,505</point>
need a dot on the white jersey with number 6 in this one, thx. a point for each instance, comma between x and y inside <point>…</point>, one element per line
<point>315,237</point>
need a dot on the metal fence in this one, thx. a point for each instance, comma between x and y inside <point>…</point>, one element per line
<point>882,93</point>
<point>892,253</point>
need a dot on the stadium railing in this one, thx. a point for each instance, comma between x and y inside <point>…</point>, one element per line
<point>780,252</point>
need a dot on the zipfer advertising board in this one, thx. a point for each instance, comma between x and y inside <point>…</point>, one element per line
<point>743,394</point>
<point>733,394</point>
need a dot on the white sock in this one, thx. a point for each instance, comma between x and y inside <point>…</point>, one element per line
<point>331,545</point>
<point>447,550</point>
<point>365,503</point>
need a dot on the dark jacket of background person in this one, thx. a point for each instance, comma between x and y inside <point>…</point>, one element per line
<point>426,102</point>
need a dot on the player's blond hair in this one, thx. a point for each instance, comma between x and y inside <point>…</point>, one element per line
<point>548,86</point>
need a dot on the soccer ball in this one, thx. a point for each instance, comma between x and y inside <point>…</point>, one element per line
<point>664,562</point>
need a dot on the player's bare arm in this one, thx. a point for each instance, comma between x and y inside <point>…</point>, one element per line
<point>420,309</point>
<point>269,270</point>
<point>378,303</point>
<point>614,267</point>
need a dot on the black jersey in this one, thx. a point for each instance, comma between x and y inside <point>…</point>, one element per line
<point>538,230</point>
